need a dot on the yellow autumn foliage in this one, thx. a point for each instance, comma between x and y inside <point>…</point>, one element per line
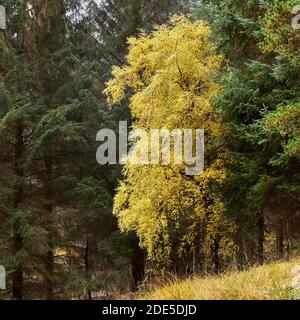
<point>172,75</point>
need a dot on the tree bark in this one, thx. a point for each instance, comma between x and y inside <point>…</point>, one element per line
<point>279,240</point>
<point>49,256</point>
<point>87,266</point>
<point>261,237</point>
<point>215,256</point>
<point>137,265</point>
<point>49,268</point>
<point>17,276</point>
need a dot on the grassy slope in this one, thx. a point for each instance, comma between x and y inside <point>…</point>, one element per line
<point>270,281</point>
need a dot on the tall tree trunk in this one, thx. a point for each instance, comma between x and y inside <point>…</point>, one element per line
<point>87,266</point>
<point>49,256</point>
<point>49,32</point>
<point>261,237</point>
<point>288,237</point>
<point>198,256</point>
<point>279,240</point>
<point>49,268</point>
<point>137,264</point>
<point>17,276</point>
<point>215,256</point>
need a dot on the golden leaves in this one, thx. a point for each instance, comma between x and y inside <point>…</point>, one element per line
<point>171,73</point>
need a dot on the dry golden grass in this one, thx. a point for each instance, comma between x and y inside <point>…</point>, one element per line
<point>268,282</point>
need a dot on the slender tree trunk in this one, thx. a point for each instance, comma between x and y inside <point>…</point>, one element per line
<point>87,266</point>
<point>279,240</point>
<point>288,239</point>
<point>261,237</point>
<point>215,256</point>
<point>49,267</point>
<point>137,265</point>
<point>198,252</point>
<point>17,276</point>
<point>49,256</point>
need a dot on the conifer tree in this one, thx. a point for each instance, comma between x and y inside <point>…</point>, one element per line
<point>19,113</point>
<point>57,201</point>
<point>263,80</point>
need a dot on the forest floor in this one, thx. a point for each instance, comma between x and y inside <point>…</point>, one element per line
<point>269,282</point>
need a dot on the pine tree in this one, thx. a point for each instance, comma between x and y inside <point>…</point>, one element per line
<point>44,126</point>
<point>260,84</point>
<point>58,203</point>
<point>19,112</point>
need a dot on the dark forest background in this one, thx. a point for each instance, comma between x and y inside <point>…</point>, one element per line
<point>58,236</point>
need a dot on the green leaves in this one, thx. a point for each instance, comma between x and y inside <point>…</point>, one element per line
<point>276,33</point>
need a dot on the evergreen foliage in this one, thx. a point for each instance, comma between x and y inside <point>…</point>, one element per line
<point>70,228</point>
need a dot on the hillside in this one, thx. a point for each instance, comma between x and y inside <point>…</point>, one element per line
<point>271,281</point>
